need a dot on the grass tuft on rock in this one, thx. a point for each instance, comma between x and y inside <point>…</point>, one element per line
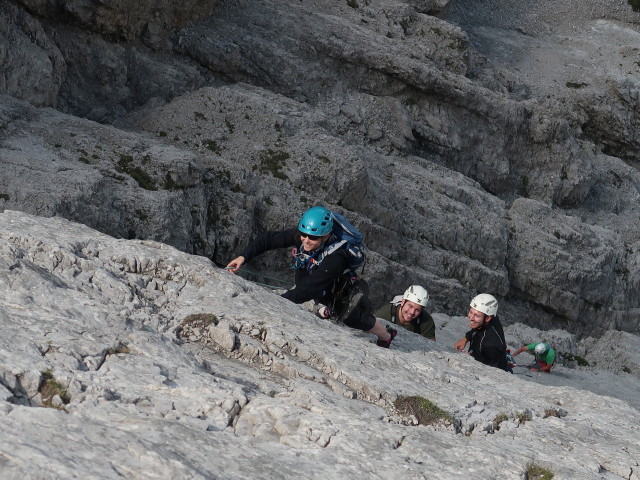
<point>126,165</point>
<point>523,417</point>
<point>199,320</point>
<point>554,412</point>
<point>575,358</point>
<point>49,388</point>
<point>213,146</point>
<point>501,417</point>
<point>273,161</point>
<point>424,410</point>
<point>536,472</point>
<point>120,348</point>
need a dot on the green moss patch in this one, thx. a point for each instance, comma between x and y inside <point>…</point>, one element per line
<point>536,472</point>
<point>575,358</point>
<point>127,165</point>
<point>273,161</point>
<point>49,388</point>
<point>424,410</point>
<point>213,146</point>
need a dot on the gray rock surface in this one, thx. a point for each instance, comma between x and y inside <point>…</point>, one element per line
<point>24,50</point>
<point>169,367</point>
<point>122,20</point>
<point>479,146</point>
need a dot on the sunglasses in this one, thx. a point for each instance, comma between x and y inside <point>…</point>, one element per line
<point>310,237</point>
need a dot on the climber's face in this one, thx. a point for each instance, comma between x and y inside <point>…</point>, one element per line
<point>477,318</point>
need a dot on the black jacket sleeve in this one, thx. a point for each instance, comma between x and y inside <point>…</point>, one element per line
<point>270,241</point>
<point>317,283</point>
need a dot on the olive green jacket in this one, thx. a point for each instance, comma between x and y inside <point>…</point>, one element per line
<point>422,325</point>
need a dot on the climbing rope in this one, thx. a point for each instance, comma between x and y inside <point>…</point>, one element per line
<point>284,284</point>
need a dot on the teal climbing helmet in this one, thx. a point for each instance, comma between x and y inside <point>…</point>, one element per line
<point>316,221</point>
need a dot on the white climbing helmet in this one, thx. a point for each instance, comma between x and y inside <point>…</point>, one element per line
<point>416,294</point>
<point>485,303</point>
<point>540,348</point>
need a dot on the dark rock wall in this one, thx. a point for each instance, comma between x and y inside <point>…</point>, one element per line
<point>223,120</point>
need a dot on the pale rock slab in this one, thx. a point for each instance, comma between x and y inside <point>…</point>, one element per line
<point>315,400</point>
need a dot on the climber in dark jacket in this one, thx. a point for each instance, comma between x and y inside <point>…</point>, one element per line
<point>319,269</point>
<point>310,283</point>
<point>486,337</point>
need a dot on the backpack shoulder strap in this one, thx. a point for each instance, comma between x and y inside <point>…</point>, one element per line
<point>394,309</point>
<point>416,322</point>
<point>329,249</point>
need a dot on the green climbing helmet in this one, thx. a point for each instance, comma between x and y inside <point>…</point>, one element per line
<point>316,221</point>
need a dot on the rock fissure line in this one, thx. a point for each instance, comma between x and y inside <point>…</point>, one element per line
<point>330,375</point>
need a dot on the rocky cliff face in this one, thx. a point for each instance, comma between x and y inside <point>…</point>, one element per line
<point>149,22</point>
<point>131,359</point>
<point>478,147</point>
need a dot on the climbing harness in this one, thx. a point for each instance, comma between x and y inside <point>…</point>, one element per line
<point>302,260</point>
